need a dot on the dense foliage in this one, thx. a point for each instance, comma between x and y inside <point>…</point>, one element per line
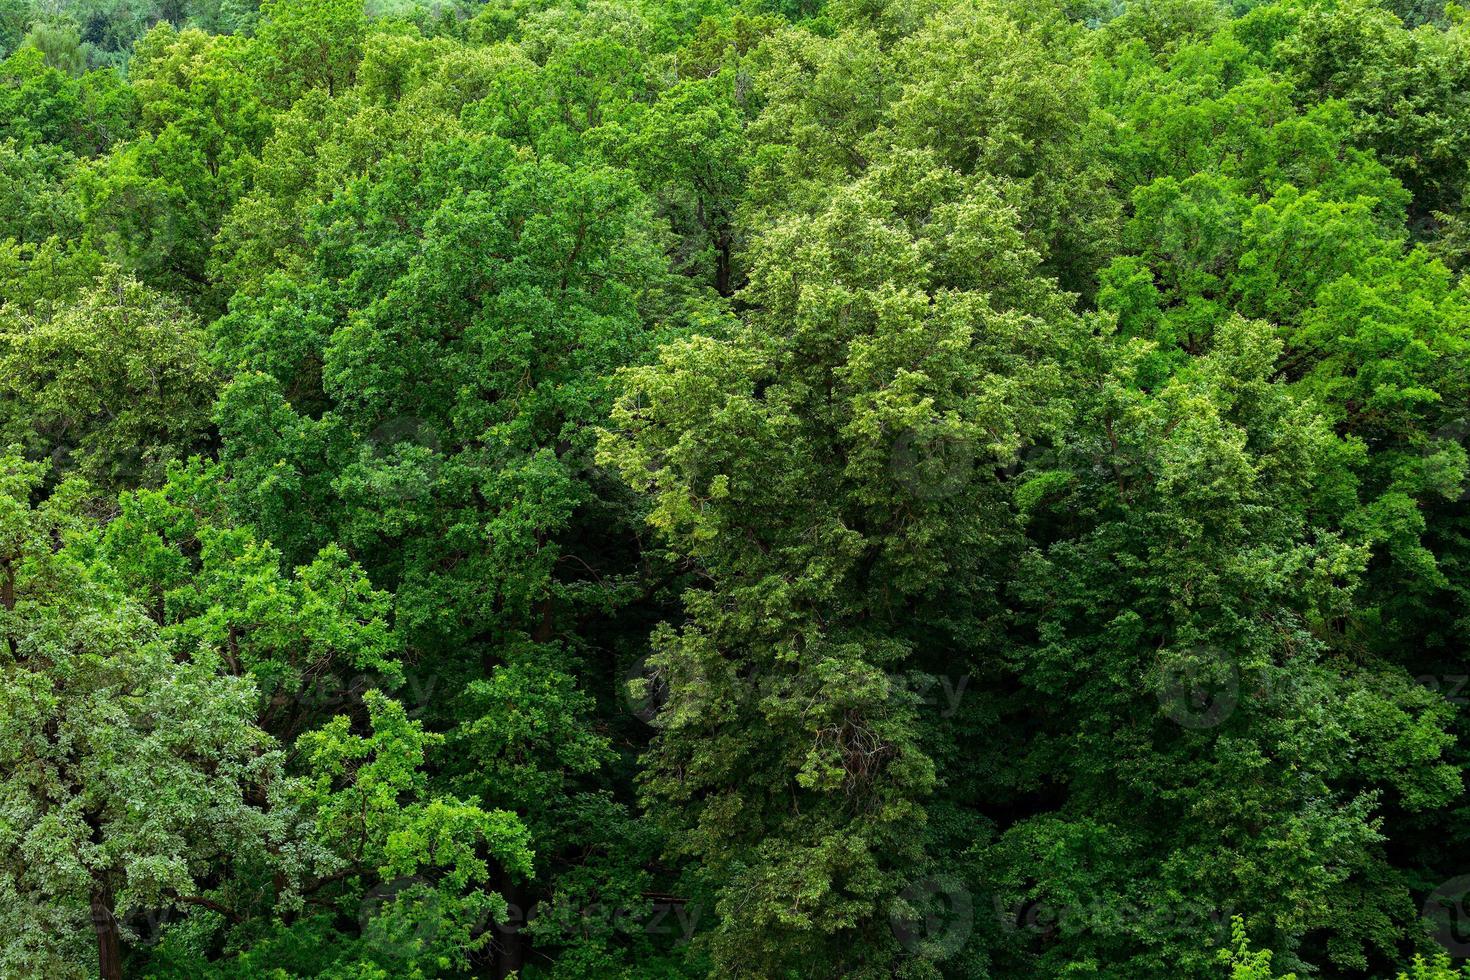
<point>682,488</point>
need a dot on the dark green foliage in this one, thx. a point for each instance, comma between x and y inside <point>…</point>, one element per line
<point>676,488</point>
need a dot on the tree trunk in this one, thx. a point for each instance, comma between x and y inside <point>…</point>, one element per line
<point>109,949</point>
<point>546,626</point>
<point>7,598</point>
<point>512,944</point>
<point>722,264</point>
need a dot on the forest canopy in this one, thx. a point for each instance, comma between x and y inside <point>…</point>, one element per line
<point>734,488</point>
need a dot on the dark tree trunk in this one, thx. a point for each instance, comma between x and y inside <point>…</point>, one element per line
<point>109,949</point>
<point>722,264</point>
<point>546,626</point>
<point>512,943</point>
<point>7,597</point>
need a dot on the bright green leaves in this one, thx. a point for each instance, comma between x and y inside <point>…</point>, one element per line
<point>690,148</point>
<point>42,105</point>
<point>794,460</point>
<point>155,203</point>
<point>1403,328</point>
<point>113,381</point>
<point>1406,89</point>
<point>1237,194</point>
<point>1287,220</point>
<point>358,783</point>
<point>1180,599</point>
<point>421,384</point>
<point>946,592</point>
<point>308,44</point>
<point>53,124</point>
<point>130,774</point>
<point>468,375</point>
<point>372,806</point>
<point>1244,962</point>
<point>1293,244</point>
<point>987,88</point>
<point>1002,91</point>
<point>216,586</point>
<point>1248,964</point>
<point>34,204</point>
